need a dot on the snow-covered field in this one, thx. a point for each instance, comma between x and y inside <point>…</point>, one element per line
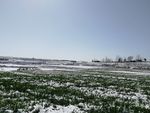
<point>15,67</point>
<point>132,72</point>
<point>84,91</point>
<point>7,69</point>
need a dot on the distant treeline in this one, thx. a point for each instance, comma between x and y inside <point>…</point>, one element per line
<point>120,59</point>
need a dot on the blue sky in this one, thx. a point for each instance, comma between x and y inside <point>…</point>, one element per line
<point>74,29</point>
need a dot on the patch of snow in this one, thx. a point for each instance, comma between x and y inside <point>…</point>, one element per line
<point>129,72</point>
<point>58,69</point>
<point>5,78</point>
<point>23,73</point>
<point>17,65</point>
<point>78,66</point>
<point>57,109</point>
<point>9,111</point>
<point>5,69</point>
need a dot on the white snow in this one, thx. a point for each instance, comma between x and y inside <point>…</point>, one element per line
<point>17,65</point>
<point>5,69</point>
<point>57,109</point>
<point>9,111</point>
<point>77,66</point>
<point>58,69</point>
<point>129,72</point>
<point>67,67</point>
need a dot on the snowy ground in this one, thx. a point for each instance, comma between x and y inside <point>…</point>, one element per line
<point>131,72</point>
<point>15,67</point>
<point>8,69</point>
<point>84,91</point>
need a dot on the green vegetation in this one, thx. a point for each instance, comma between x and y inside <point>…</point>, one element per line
<point>92,91</point>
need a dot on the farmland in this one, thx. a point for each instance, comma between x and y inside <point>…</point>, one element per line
<point>84,91</point>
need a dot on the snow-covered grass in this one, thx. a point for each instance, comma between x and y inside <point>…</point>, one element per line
<point>58,69</point>
<point>86,91</point>
<point>6,69</point>
<point>56,109</point>
<point>134,73</point>
<point>76,66</point>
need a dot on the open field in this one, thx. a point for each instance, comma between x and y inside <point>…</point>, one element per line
<point>84,91</point>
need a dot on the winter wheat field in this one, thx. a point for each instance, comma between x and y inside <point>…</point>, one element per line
<point>82,91</point>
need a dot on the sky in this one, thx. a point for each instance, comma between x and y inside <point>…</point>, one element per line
<point>74,29</point>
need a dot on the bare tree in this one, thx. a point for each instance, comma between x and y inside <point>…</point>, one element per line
<point>119,59</point>
<point>107,60</point>
<point>130,58</point>
<point>124,60</point>
<point>138,58</point>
